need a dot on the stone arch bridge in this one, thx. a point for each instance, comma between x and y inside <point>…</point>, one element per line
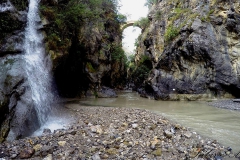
<point>128,24</point>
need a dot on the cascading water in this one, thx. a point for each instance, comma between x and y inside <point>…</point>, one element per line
<point>38,64</point>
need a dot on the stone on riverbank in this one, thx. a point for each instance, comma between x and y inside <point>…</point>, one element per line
<point>112,133</point>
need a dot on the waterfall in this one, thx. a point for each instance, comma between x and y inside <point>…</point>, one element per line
<point>6,6</point>
<point>38,64</point>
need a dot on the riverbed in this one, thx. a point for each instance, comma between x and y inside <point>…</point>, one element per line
<point>131,127</point>
<point>211,122</point>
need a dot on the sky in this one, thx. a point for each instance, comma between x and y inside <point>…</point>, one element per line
<point>134,9</point>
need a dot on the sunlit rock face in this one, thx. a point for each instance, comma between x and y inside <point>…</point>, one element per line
<point>194,47</point>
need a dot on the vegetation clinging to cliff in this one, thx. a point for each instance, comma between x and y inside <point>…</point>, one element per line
<point>66,18</point>
<point>142,23</point>
<point>138,72</point>
<point>83,38</point>
<point>171,33</point>
<point>118,53</point>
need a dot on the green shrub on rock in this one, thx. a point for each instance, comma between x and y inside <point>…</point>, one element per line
<point>142,23</point>
<point>138,72</point>
<point>171,33</point>
<point>118,54</point>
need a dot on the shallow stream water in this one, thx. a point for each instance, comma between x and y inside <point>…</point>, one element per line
<point>220,124</point>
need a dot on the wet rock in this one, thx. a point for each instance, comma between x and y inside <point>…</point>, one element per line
<point>46,131</point>
<point>188,134</point>
<point>177,126</point>
<point>26,153</point>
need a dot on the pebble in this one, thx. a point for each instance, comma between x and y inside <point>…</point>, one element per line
<point>96,157</point>
<point>62,143</point>
<point>37,147</point>
<point>49,157</point>
<point>168,134</point>
<point>157,152</point>
<point>112,151</point>
<point>134,125</point>
<point>26,153</point>
<point>188,134</point>
<point>100,133</point>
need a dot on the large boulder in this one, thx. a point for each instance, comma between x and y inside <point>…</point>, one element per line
<point>18,114</point>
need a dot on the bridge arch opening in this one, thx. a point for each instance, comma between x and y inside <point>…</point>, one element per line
<point>130,34</point>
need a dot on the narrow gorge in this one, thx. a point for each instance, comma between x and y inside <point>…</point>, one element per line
<point>63,50</point>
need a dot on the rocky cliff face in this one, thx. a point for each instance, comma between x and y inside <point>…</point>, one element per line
<point>194,47</point>
<point>85,53</point>
<point>16,110</point>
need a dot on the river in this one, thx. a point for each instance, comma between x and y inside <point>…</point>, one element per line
<point>220,124</point>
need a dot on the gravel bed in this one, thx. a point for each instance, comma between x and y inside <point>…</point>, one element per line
<point>115,133</point>
<point>226,104</point>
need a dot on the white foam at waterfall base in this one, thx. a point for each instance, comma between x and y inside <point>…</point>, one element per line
<point>60,119</point>
<point>53,123</point>
<point>38,65</point>
<point>7,6</point>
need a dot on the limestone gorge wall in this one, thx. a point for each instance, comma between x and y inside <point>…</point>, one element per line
<point>84,43</point>
<point>194,47</point>
<point>85,46</point>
